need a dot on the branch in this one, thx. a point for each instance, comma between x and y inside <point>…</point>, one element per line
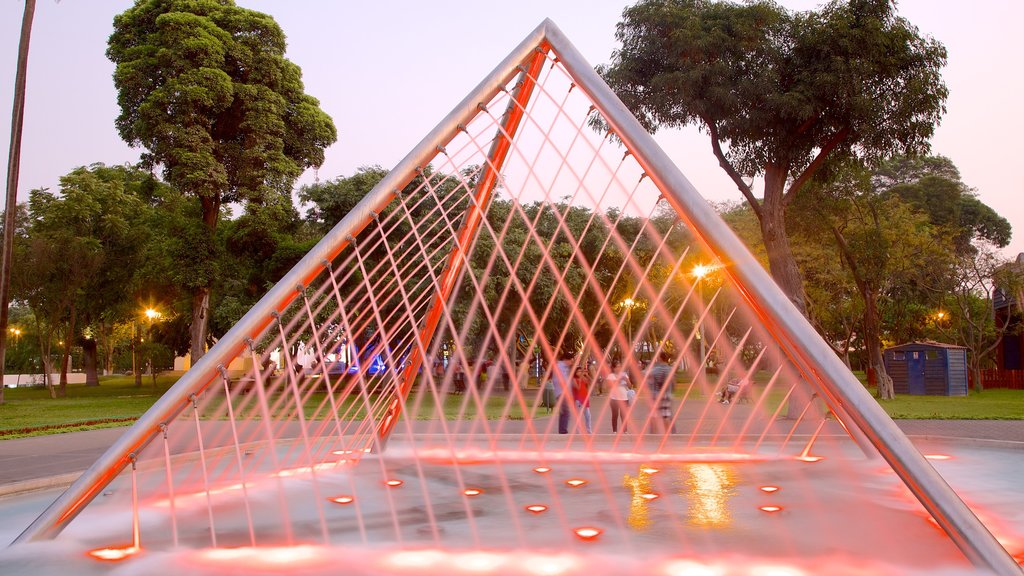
<point>815,164</point>
<point>716,145</point>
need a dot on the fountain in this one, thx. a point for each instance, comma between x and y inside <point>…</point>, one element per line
<point>413,424</point>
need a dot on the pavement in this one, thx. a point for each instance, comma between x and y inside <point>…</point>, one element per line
<point>43,462</point>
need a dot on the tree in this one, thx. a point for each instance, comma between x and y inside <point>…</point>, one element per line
<point>780,93</point>
<point>883,243</point>
<point>971,321</point>
<point>204,86</point>
<point>932,185</point>
<point>13,170</point>
<point>85,245</point>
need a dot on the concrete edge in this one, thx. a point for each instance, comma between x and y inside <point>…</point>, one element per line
<point>37,484</point>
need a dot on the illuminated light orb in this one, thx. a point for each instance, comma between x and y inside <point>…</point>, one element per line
<point>810,458</point>
<point>114,554</point>
<point>479,561</point>
<point>575,482</point>
<point>649,496</point>
<point>472,491</point>
<point>255,559</point>
<point>690,568</point>
<point>547,565</point>
<point>938,456</point>
<point>537,508</point>
<point>342,499</point>
<point>587,533</point>
<point>649,470</point>
<point>771,508</point>
<point>416,558</point>
<point>394,483</point>
<point>769,489</point>
<point>542,469</point>
<point>776,571</point>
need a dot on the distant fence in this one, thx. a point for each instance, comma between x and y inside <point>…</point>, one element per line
<point>1011,379</point>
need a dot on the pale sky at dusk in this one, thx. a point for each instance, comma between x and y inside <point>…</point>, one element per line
<point>388,71</point>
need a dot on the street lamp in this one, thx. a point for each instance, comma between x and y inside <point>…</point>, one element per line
<point>151,316</point>
<point>628,304</point>
<point>16,334</point>
<point>699,272</point>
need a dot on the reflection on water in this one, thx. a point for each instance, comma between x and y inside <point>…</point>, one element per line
<point>709,487</point>
<point>640,490</point>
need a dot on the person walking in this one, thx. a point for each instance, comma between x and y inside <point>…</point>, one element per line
<point>581,395</point>
<point>561,383</point>
<point>619,386</point>
<point>660,379</point>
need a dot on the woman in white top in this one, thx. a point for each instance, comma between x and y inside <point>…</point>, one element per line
<point>618,385</point>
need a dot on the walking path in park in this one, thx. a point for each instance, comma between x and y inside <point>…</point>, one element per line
<point>40,462</point>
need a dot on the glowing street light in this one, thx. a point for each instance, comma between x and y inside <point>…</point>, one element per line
<point>152,315</point>
<point>628,304</point>
<point>699,272</point>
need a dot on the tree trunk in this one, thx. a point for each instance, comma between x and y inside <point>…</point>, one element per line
<point>873,345</point>
<point>89,353</point>
<point>104,340</point>
<point>200,317</point>
<point>46,364</point>
<point>65,356</point>
<point>782,264</point>
<point>13,170</point>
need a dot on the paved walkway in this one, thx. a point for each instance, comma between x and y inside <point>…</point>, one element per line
<point>56,460</point>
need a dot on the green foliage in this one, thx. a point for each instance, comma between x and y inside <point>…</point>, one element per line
<point>778,86</point>
<point>780,93</point>
<point>932,185</point>
<point>204,86</point>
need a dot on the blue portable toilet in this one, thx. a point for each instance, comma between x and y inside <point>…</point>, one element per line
<point>927,368</point>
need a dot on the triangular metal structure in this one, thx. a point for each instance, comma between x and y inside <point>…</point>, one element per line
<point>815,362</point>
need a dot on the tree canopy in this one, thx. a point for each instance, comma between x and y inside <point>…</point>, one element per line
<point>781,93</point>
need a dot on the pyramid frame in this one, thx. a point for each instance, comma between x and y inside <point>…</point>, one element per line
<point>855,408</point>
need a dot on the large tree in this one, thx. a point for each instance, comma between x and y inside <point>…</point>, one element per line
<point>204,86</point>
<point>780,93</point>
<point>884,244</point>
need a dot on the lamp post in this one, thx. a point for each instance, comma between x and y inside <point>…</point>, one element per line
<point>151,316</point>
<point>16,334</point>
<point>699,272</point>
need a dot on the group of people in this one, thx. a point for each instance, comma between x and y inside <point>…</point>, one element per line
<point>573,391</point>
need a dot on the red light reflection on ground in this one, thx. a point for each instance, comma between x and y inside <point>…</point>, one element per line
<point>472,491</point>
<point>587,533</point>
<point>537,508</point>
<point>769,489</point>
<point>542,469</point>
<point>771,508</point>
<point>114,554</point>
<point>342,499</point>
<point>810,458</point>
<point>938,457</point>
<point>649,496</point>
<point>576,482</point>
<point>394,483</point>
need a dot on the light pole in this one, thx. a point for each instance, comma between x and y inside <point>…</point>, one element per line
<point>699,272</point>
<point>628,305</point>
<point>16,334</point>
<point>151,316</point>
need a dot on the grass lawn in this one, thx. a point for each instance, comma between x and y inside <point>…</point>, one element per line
<point>117,402</point>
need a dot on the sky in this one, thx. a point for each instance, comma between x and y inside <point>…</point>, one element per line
<point>388,71</point>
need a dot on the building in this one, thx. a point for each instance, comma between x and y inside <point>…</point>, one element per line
<point>927,368</point>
